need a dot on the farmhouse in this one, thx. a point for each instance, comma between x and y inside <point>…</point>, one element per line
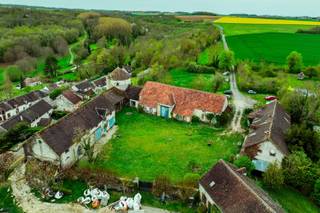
<point>120,78</point>
<point>265,142</point>
<point>100,84</point>
<point>37,115</point>
<point>68,101</point>
<point>228,189</point>
<point>132,94</point>
<point>180,103</point>
<point>18,104</point>
<point>60,143</point>
<point>84,88</point>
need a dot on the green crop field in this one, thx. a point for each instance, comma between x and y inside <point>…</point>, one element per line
<point>148,146</point>
<point>272,43</point>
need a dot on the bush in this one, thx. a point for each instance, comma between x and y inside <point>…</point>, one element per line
<point>55,93</point>
<point>244,161</point>
<point>223,119</point>
<point>195,68</point>
<point>316,192</point>
<point>56,115</point>
<point>191,180</point>
<point>195,119</point>
<point>273,176</point>
<point>14,73</point>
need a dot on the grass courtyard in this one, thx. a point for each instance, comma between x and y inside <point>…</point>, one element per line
<point>148,146</point>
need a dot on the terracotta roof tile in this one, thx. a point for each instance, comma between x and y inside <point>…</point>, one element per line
<point>185,100</point>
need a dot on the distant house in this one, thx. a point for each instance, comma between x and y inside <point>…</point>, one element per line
<point>100,84</point>
<point>37,115</point>
<point>68,101</point>
<point>180,103</point>
<point>265,142</point>
<point>84,88</point>
<point>31,82</point>
<point>57,143</point>
<point>227,189</point>
<point>301,76</point>
<point>120,78</point>
<point>18,104</point>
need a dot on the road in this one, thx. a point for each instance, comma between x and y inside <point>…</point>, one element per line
<point>239,101</point>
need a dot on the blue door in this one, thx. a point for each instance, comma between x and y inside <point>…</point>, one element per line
<point>164,112</point>
<point>98,133</point>
<point>112,122</point>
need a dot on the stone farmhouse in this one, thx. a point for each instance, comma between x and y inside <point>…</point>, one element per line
<point>265,142</point>
<point>18,104</point>
<point>37,115</point>
<point>180,103</point>
<point>68,101</point>
<point>227,189</point>
<point>58,144</point>
<point>84,89</point>
<point>120,78</point>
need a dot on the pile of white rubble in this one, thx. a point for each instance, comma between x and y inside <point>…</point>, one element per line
<point>126,203</point>
<point>94,196</point>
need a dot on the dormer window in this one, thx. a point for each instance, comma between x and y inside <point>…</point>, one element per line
<point>272,153</point>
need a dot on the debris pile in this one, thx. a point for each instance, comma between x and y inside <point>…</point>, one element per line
<point>126,203</point>
<point>94,196</point>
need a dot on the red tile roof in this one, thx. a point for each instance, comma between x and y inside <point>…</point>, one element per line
<point>185,101</point>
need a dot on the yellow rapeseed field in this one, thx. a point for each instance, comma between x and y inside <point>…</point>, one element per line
<point>237,20</point>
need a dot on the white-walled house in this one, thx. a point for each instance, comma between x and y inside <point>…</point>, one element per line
<point>119,78</point>
<point>37,115</point>
<point>100,84</point>
<point>14,106</point>
<point>58,144</point>
<point>180,103</point>
<point>84,88</point>
<point>265,143</point>
<point>227,189</point>
<point>68,101</point>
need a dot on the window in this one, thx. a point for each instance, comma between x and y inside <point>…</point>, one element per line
<point>272,153</point>
<point>260,151</point>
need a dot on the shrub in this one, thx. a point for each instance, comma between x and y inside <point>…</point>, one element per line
<point>162,184</point>
<point>191,179</point>
<point>195,119</point>
<point>316,192</point>
<point>195,68</point>
<point>56,115</point>
<point>55,93</point>
<point>223,119</point>
<point>294,61</point>
<point>14,73</point>
<point>273,176</point>
<point>244,161</point>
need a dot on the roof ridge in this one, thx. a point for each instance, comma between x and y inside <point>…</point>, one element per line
<point>247,186</point>
<point>201,91</point>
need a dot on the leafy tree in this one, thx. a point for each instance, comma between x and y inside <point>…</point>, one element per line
<point>294,61</point>
<point>226,60</point>
<point>302,137</point>
<point>87,71</point>
<point>55,93</point>
<point>244,161</point>
<point>299,171</point>
<point>311,72</point>
<point>14,73</point>
<point>273,176</point>
<point>217,82</point>
<point>51,66</point>
<point>7,87</point>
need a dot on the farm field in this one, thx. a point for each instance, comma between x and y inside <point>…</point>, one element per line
<point>165,147</point>
<point>197,18</point>
<point>270,40</point>
<point>275,47</point>
<point>241,20</point>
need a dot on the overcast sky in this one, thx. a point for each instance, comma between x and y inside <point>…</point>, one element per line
<point>261,7</point>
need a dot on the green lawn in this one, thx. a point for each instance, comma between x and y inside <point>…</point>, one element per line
<point>7,202</point>
<point>293,201</point>
<point>148,146</point>
<point>182,78</point>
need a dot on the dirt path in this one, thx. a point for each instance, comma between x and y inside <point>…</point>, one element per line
<point>240,101</point>
<point>31,204</point>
